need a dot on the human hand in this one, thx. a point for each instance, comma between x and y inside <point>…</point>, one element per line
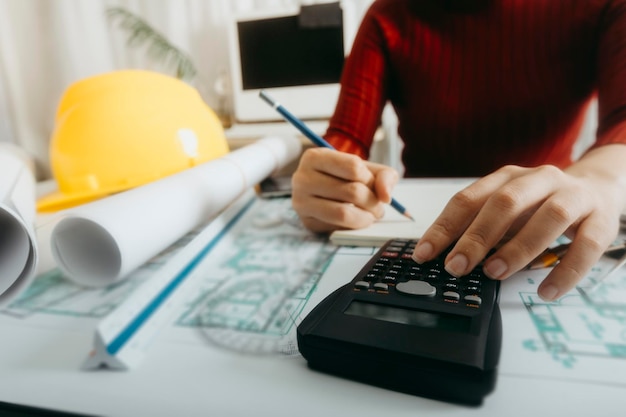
<point>335,190</point>
<point>524,210</point>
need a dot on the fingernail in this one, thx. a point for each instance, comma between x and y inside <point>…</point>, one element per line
<point>422,252</point>
<point>457,265</point>
<point>496,268</point>
<point>380,211</point>
<point>548,292</point>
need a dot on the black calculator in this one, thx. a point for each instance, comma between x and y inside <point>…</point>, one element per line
<point>409,327</point>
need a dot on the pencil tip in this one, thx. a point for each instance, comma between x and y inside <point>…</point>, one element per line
<point>406,213</point>
<point>266,98</point>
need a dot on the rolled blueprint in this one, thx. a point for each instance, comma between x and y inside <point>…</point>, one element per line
<point>18,244</point>
<point>102,242</point>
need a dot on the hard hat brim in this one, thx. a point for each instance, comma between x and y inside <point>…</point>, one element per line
<point>58,200</point>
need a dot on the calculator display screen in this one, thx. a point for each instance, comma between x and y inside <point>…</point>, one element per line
<point>419,318</point>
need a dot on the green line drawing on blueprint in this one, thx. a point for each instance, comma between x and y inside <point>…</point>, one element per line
<point>581,324</point>
<point>54,294</point>
<point>256,282</point>
<point>249,289</point>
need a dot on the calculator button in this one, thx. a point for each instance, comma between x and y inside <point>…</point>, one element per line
<point>381,286</point>
<point>370,277</point>
<point>451,295</point>
<point>389,279</point>
<point>474,299</point>
<point>412,275</point>
<point>414,287</point>
<point>472,290</point>
<point>362,285</point>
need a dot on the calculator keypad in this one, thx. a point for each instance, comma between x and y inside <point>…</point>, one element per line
<point>395,270</point>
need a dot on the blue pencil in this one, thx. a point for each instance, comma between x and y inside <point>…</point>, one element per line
<point>317,140</point>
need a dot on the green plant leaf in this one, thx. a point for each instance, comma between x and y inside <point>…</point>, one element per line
<point>140,33</point>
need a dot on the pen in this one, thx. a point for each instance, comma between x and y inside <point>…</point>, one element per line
<point>317,140</point>
<point>551,256</point>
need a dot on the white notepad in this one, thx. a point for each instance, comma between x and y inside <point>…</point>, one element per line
<point>423,198</point>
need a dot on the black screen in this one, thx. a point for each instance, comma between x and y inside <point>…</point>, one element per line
<point>419,318</point>
<point>279,52</point>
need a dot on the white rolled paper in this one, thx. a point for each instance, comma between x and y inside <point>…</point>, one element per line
<point>102,242</point>
<point>18,244</point>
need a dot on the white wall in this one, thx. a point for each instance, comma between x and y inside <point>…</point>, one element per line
<point>45,45</point>
<point>6,131</point>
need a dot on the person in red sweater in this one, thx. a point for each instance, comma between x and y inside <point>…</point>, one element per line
<point>495,89</point>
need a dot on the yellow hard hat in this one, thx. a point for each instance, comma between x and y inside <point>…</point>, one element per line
<point>126,128</point>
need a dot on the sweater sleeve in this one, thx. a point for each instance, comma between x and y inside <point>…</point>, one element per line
<point>611,73</point>
<point>362,96</point>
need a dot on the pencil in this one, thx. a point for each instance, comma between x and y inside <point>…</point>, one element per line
<point>317,140</point>
<point>549,257</point>
<point>552,256</point>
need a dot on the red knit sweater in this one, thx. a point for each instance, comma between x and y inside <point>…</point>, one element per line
<point>505,83</point>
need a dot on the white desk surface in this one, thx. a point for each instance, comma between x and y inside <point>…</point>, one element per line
<point>210,382</point>
<point>185,375</point>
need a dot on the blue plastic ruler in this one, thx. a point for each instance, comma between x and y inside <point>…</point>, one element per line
<point>122,338</point>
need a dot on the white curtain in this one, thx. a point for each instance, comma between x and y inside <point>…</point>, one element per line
<point>45,45</point>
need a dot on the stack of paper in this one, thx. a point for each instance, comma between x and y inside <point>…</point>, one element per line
<point>423,198</point>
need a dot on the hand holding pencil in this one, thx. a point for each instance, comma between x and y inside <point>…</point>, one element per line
<point>335,190</point>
